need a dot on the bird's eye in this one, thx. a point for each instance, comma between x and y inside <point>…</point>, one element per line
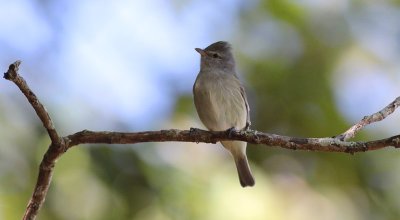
<point>215,55</point>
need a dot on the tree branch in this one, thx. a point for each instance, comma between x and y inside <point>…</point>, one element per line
<point>378,116</point>
<point>250,136</point>
<point>56,148</point>
<point>59,145</point>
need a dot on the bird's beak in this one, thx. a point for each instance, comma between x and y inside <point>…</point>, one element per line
<point>200,51</point>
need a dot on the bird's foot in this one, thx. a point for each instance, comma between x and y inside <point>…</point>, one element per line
<point>247,127</point>
<point>193,132</point>
<point>231,131</point>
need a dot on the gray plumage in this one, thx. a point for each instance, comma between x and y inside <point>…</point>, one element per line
<point>221,101</point>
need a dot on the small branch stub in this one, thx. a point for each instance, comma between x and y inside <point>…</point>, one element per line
<point>12,70</point>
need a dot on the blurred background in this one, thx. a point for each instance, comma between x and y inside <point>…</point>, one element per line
<point>312,68</point>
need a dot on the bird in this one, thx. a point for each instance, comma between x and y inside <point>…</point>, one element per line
<point>221,101</point>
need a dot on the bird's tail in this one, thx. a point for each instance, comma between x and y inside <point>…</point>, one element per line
<point>238,151</point>
<point>245,176</point>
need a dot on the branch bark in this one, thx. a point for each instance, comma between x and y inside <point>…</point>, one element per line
<point>250,136</point>
<point>60,145</point>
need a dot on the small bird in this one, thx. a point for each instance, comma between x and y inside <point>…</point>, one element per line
<point>221,101</point>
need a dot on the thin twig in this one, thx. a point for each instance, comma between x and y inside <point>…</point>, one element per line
<point>12,75</point>
<point>378,116</point>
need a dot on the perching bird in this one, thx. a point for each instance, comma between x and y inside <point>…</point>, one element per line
<point>221,101</point>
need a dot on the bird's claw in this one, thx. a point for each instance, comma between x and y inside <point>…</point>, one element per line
<point>247,127</point>
<point>193,131</point>
<point>231,131</point>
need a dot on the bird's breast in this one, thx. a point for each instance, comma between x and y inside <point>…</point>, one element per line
<point>219,102</point>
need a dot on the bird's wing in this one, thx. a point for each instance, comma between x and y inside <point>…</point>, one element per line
<point>243,93</point>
